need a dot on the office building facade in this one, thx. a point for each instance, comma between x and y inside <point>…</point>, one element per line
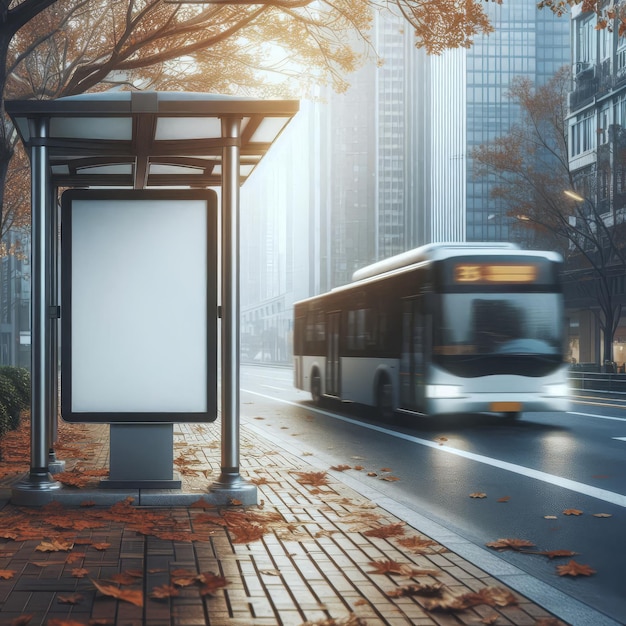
<point>388,163</point>
<point>597,160</point>
<point>526,42</point>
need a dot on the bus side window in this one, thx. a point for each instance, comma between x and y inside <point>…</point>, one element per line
<point>314,332</point>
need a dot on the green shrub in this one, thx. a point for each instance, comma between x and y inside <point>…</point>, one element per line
<point>11,400</point>
<point>20,377</point>
<point>5,421</point>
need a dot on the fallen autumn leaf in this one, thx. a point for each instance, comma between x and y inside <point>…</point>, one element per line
<point>574,569</point>
<point>572,512</point>
<point>127,595</point>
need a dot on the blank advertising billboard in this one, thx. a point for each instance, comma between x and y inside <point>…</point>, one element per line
<point>139,306</point>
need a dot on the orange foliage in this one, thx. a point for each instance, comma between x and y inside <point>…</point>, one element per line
<point>574,569</point>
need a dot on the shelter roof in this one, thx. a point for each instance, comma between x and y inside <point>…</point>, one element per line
<point>149,139</point>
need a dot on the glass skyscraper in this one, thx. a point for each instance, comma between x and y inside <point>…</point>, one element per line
<point>526,42</point>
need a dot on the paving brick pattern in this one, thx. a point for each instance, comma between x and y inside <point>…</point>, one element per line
<point>313,567</point>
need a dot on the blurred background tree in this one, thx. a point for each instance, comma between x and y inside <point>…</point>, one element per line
<point>546,199</point>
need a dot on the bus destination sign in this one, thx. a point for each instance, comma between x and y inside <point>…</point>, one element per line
<point>490,273</point>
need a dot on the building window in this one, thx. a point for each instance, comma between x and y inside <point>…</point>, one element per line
<point>621,56</point>
<point>606,43</point>
<point>585,41</point>
<point>583,132</point>
<point>603,125</point>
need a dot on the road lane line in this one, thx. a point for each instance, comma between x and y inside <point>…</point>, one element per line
<point>600,494</point>
<point>602,417</point>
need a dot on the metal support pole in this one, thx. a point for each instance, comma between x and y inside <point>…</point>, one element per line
<point>34,489</point>
<point>230,481</point>
<point>52,391</point>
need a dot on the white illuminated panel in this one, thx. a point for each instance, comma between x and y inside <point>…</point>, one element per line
<point>141,318</point>
<point>111,128</point>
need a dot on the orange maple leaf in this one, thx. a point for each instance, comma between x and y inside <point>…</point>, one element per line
<point>183,578</point>
<point>552,554</point>
<point>574,569</point>
<point>125,578</point>
<point>491,596</point>
<point>75,598</point>
<point>572,512</point>
<point>75,556</point>
<point>210,583</point>
<point>316,479</point>
<point>163,592</point>
<point>7,574</point>
<point>418,544</point>
<point>389,530</point>
<point>404,569</point>
<point>390,479</point>
<point>478,494</point>
<point>416,589</point>
<point>56,545</point>
<point>510,544</point>
<point>127,595</point>
<point>340,468</point>
<point>79,572</point>
<point>201,504</point>
<point>389,567</point>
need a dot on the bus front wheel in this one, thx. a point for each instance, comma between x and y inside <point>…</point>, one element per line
<point>384,399</point>
<point>316,388</point>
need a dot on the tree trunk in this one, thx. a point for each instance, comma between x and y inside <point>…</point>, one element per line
<point>609,328</point>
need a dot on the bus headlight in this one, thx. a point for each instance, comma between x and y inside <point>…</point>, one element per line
<point>559,390</point>
<point>443,391</point>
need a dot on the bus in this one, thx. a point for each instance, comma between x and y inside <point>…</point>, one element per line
<point>449,328</point>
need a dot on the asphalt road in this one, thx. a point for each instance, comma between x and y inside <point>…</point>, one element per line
<point>530,471</point>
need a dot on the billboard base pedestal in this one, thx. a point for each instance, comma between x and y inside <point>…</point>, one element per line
<point>142,457</point>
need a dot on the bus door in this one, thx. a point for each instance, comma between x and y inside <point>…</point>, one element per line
<point>333,370</point>
<point>412,357</point>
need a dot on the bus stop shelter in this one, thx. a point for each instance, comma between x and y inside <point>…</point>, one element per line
<point>136,141</point>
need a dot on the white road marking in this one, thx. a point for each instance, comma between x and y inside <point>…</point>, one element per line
<point>619,438</point>
<point>602,417</point>
<point>601,494</point>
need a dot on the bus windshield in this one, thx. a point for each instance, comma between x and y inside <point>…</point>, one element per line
<point>502,325</point>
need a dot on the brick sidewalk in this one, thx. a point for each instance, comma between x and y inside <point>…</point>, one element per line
<point>314,551</point>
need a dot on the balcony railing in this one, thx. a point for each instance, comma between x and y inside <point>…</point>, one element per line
<point>597,381</point>
<point>584,90</point>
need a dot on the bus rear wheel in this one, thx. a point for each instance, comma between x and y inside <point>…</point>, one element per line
<point>316,388</point>
<point>384,399</point>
